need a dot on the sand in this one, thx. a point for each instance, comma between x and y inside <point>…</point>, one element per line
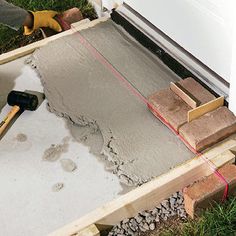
<point>115,124</point>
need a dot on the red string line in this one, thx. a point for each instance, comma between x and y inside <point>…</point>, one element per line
<point>97,55</point>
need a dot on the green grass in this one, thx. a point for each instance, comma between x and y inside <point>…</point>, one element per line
<point>10,39</point>
<point>57,5</point>
<point>217,221</point>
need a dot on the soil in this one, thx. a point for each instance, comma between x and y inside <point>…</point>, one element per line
<point>163,226</point>
<point>20,40</point>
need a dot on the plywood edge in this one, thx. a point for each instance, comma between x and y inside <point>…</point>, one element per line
<point>91,230</point>
<point>23,51</point>
<point>81,22</point>
<point>187,97</point>
<point>205,108</point>
<point>152,193</point>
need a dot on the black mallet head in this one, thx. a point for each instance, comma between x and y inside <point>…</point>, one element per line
<point>25,101</point>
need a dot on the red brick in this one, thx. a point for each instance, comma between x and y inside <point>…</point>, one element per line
<point>203,194</point>
<point>197,90</point>
<point>209,128</point>
<point>173,108</point>
<point>72,15</point>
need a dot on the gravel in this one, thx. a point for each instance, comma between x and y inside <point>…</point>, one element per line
<point>149,220</point>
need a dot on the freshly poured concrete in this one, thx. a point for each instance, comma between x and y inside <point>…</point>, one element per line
<point>38,196</point>
<point>132,141</point>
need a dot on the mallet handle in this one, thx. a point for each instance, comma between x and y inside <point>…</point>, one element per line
<point>8,118</point>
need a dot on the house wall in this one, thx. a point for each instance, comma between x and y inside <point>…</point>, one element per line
<point>199,26</point>
<point>205,28</point>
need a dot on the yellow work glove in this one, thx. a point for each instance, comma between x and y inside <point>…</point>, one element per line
<point>43,19</point>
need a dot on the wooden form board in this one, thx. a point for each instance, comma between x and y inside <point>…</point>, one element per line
<point>91,230</point>
<point>20,52</point>
<point>152,193</point>
<point>205,108</point>
<point>179,90</point>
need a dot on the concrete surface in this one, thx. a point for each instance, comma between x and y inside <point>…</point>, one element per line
<point>78,85</point>
<point>29,205</point>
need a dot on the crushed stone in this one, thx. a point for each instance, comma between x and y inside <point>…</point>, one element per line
<point>149,220</point>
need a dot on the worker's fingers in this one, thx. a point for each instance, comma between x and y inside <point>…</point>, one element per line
<point>27,30</point>
<point>53,24</point>
<point>43,19</point>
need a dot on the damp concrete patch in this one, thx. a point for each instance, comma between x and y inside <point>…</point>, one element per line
<point>68,165</point>
<point>21,137</point>
<point>54,152</point>
<point>57,187</point>
<point>111,120</point>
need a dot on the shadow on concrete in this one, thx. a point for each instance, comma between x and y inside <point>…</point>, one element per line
<point>7,83</point>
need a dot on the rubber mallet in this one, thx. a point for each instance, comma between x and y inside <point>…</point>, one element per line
<point>20,101</point>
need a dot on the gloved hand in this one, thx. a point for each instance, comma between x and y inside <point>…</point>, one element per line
<point>43,19</point>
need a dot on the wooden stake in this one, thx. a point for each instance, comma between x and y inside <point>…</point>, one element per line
<point>91,230</point>
<point>179,90</point>
<point>205,108</point>
<point>9,117</point>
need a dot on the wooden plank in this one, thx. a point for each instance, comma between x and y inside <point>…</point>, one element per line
<point>152,193</point>
<point>79,23</point>
<point>23,51</point>
<point>184,94</point>
<point>91,230</point>
<point>205,108</point>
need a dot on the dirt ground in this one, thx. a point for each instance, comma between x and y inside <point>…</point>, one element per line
<point>20,40</point>
<point>11,39</point>
<point>160,229</point>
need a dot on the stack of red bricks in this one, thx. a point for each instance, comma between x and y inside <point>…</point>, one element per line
<point>209,190</point>
<point>200,133</point>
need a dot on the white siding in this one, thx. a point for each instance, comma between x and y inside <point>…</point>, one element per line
<point>200,26</point>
